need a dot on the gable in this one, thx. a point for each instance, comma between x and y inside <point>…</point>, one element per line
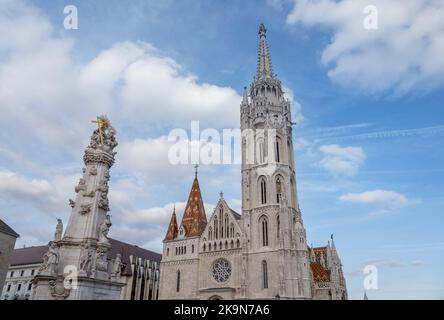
<point>223,224</point>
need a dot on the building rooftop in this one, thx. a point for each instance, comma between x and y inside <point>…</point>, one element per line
<point>7,229</point>
<point>34,255</point>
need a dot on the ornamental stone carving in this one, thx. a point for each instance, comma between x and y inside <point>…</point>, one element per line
<point>86,258</point>
<point>58,288</point>
<point>50,260</point>
<point>101,259</point>
<point>81,186</point>
<point>104,229</point>
<point>85,208</point>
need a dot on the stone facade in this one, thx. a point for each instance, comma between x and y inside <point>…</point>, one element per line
<point>263,253</point>
<point>7,243</point>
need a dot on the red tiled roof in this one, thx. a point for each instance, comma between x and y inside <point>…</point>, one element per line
<point>34,255</point>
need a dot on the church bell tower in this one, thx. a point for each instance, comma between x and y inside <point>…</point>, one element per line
<point>276,253</point>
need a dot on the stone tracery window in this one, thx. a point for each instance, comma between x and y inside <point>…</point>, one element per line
<point>221,270</point>
<point>264,275</point>
<point>278,189</point>
<point>263,190</point>
<point>263,225</point>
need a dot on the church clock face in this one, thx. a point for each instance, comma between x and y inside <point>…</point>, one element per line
<point>221,270</point>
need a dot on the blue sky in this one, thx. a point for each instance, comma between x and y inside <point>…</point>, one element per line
<point>369,142</point>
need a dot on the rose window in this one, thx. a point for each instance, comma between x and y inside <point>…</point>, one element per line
<point>221,270</point>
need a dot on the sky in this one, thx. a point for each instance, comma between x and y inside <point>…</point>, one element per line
<point>368,105</point>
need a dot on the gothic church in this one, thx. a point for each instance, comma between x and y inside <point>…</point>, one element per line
<point>263,252</point>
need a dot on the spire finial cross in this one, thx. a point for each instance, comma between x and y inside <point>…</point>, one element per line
<point>102,123</point>
<point>195,169</point>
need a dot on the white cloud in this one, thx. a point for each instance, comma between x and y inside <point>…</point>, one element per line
<point>384,200</point>
<point>342,160</point>
<point>44,88</point>
<point>418,263</point>
<point>296,108</point>
<point>404,53</point>
<point>391,263</point>
<point>49,196</point>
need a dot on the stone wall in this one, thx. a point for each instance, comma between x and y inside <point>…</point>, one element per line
<point>7,243</point>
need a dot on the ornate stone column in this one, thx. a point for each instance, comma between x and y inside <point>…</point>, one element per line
<point>77,266</point>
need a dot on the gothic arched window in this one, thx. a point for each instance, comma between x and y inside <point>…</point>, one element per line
<point>227,230</point>
<point>263,224</point>
<point>278,145</point>
<point>260,151</point>
<point>293,194</point>
<point>278,189</point>
<point>231,230</point>
<point>264,275</point>
<point>290,153</point>
<point>210,233</point>
<point>221,222</point>
<point>216,228</point>
<point>178,281</point>
<point>263,191</point>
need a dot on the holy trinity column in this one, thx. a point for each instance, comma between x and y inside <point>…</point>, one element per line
<point>76,266</point>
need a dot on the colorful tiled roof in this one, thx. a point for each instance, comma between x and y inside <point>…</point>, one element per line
<point>319,273</point>
<point>194,218</point>
<point>172,228</point>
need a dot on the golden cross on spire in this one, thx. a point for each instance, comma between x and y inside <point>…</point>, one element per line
<point>102,123</point>
<point>195,169</point>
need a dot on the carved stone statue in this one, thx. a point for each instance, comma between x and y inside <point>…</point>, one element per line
<point>72,203</point>
<point>117,266</point>
<point>81,186</point>
<point>104,136</point>
<point>51,259</point>
<point>85,259</point>
<point>59,230</point>
<point>103,200</point>
<point>104,229</point>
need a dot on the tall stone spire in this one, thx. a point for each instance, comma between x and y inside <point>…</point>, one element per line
<point>83,250</point>
<point>264,67</point>
<point>194,218</point>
